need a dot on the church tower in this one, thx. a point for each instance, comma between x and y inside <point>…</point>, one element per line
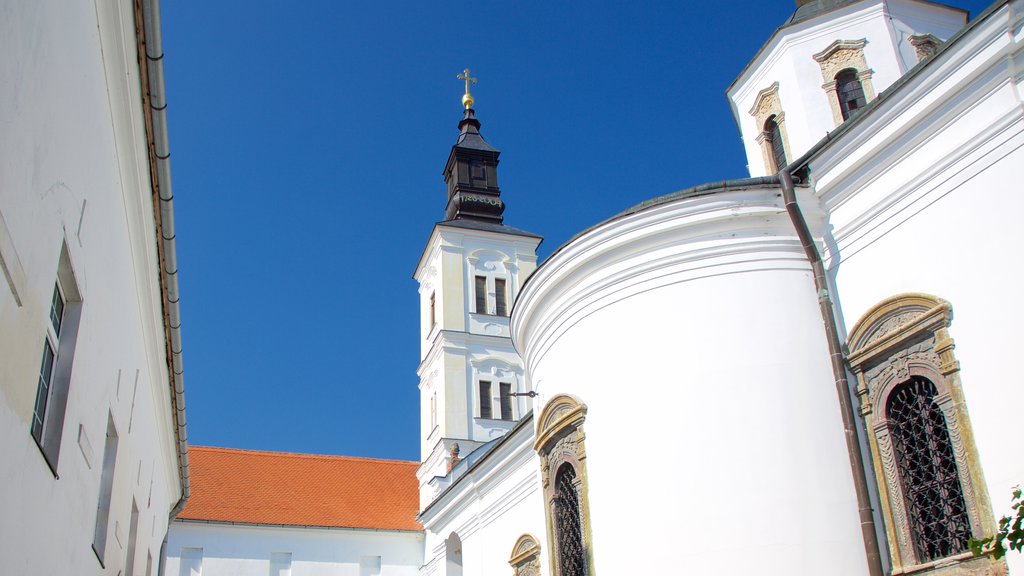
<point>830,59</point>
<point>471,378</point>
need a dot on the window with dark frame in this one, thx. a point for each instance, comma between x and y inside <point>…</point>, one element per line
<point>480,290</point>
<point>485,399</point>
<point>774,136</point>
<point>850,92</point>
<point>505,390</point>
<point>568,525</point>
<point>936,510</point>
<point>500,302</point>
<point>433,313</point>
<point>50,347</point>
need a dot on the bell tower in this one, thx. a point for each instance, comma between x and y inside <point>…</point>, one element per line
<point>473,266</point>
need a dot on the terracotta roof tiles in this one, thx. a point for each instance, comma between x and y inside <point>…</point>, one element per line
<point>276,488</point>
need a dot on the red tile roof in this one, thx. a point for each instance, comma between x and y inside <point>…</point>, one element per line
<point>301,490</point>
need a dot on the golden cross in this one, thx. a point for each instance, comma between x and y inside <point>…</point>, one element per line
<point>465,76</point>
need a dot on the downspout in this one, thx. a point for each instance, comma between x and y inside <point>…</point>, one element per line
<point>838,361</point>
<point>155,100</point>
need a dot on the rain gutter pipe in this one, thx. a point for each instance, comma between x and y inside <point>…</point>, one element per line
<point>837,358</point>
<point>155,99</point>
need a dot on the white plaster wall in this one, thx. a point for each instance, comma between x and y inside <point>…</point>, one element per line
<point>936,211</point>
<point>245,550</point>
<point>788,59</point>
<point>490,508</point>
<point>713,432</point>
<point>74,169</point>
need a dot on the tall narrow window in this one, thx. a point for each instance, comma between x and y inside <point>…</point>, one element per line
<point>433,312</point>
<point>433,410</point>
<point>505,390</point>
<point>850,92</point>
<point>480,290</point>
<point>927,467</point>
<point>58,352</point>
<point>485,399</point>
<point>500,302</point>
<point>133,540</point>
<point>99,539</point>
<point>568,529</point>
<point>774,137</point>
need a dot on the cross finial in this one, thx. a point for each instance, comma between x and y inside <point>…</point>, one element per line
<point>467,98</point>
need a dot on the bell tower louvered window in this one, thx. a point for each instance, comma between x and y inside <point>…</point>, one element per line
<point>571,559</point>
<point>774,137</point>
<point>927,468</point>
<point>850,92</point>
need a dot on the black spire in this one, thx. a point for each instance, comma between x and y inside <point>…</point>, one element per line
<point>472,175</point>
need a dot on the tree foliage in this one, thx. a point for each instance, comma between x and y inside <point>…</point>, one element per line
<point>1010,534</point>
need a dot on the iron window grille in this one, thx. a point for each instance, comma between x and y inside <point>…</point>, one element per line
<point>850,93</point>
<point>774,136</point>
<point>568,527</point>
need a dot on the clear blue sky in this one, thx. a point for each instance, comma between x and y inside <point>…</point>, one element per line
<point>308,140</point>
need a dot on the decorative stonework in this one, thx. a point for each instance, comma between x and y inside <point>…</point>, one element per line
<point>925,45</point>
<point>901,338</point>
<point>844,55</point>
<point>525,559</point>
<point>560,441</point>
<point>766,105</point>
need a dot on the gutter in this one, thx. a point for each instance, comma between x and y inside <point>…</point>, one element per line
<point>838,362</point>
<point>155,105</point>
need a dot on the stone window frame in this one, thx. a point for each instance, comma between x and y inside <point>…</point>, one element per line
<point>904,336</point>
<point>843,55</point>
<point>560,440</point>
<point>766,105</point>
<point>925,45</point>
<point>525,558</point>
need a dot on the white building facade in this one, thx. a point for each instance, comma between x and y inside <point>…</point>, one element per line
<point>92,425</point>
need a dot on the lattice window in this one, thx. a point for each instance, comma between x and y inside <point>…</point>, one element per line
<point>850,92</point>
<point>774,137</point>
<point>936,509</point>
<point>571,556</point>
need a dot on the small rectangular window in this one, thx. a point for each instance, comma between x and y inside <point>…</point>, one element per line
<point>281,564</point>
<point>500,303</point>
<point>480,290</point>
<point>485,399</point>
<point>191,562</point>
<point>99,539</point>
<point>506,400</point>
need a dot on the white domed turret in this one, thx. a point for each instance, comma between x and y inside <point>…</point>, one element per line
<point>831,58</point>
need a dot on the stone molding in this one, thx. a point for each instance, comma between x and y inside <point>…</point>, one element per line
<point>899,338</point>
<point>766,105</point>
<point>925,45</point>
<point>560,440</point>
<point>843,55</point>
<point>525,559</point>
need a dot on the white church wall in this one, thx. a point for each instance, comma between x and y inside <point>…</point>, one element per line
<point>716,416</point>
<point>935,211</point>
<point>489,508</point>
<point>244,550</point>
<point>74,176</point>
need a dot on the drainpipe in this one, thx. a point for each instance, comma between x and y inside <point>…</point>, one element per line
<point>838,361</point>
<point>156,101</point>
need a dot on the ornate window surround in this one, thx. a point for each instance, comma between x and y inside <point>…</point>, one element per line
<point>839,56</point>
<point>560,440</point>
<point>766,105</point>
<point>525,559</point>
<point>904,336</point>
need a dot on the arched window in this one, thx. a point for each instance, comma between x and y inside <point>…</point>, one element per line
<point>850,92</point>
<point>560,445</point>
<point>569,531</point>
<point>937,513</point>
<point>453,555</point>
<point>773,136</point>
<point>930,487</point>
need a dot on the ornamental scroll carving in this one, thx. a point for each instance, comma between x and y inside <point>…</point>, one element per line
<point>900,339</point>
<point>525,559</point>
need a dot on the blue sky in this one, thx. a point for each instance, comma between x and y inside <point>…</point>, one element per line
<point>308,140</point>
